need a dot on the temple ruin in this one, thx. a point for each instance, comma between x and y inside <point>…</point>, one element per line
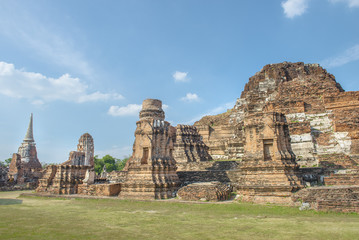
<point>66,178</point>
<point>151,170</point>
<point>268,172</point>
<point>293,126</point>
<point>321,117</point>
<point>189,145</point>
<point>84,156</point>
<point>25,167</point>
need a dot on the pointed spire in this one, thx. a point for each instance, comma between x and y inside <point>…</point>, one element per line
<point>29,135</point>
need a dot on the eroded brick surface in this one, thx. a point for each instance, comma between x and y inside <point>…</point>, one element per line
<point>209,191</point>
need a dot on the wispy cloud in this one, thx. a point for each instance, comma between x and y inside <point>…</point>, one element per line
<point>217,110</point>
<point>294,8</point>
<point>349,55</point>
<point>350,3</point>
<point>165,106</point>
<point>181,76</point>
<point>129,110</point>
<point>39,89</point>
<point>30,33</point>
<point>190,97</point>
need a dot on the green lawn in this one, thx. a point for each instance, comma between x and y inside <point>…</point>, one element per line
<point>51,218</point>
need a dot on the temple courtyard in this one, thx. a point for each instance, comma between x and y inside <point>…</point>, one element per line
<point>30,217</point>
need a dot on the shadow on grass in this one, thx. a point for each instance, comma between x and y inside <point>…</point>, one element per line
<point>8,201</point>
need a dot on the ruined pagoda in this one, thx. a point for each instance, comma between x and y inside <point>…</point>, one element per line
<point>25,162</point>
<point>152,167</point>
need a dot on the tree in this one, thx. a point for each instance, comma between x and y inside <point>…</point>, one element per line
<point>111,163</point>
<point>99,163</point>
<point>8,161</point>
<point>5,163</point>
<point>121,163</point>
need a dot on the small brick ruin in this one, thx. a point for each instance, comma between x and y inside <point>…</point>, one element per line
<point>72,175</point>
<point>205,191</point>
<point>84,156</point>
<point>62,179</point>
<point>25,167</point>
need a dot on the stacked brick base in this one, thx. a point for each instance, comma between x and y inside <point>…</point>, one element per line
<point>339,198</point>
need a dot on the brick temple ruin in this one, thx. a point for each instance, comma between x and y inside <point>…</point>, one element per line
<point>293,126</point>
<point>78,170</point>
<point>151,170</point>
<point>25,167</point>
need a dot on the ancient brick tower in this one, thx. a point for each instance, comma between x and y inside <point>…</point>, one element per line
<point>152,168</point>
<point>24,163</point>
<point>268,169</point>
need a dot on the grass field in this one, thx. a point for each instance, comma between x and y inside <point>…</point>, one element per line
<point>51,218</point>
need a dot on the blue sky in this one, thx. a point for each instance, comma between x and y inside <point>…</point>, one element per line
<point>86,66</point>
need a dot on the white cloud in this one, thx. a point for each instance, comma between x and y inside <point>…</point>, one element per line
<point>180,76</point>
<point>217,110</point>
<point>99,96</point>
<point>129,110</point>
<point>351,3</point>
<point>165,106</point>
<point>293,8</point>
<point>38,102</point>
<point>39,89</point>
<point>350,55</point>
<point>191,97</point>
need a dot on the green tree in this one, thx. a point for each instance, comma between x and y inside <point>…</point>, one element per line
<point>99,163</point>
<point>112,164</point>
<point>8,161</point>
<point>5,163</point>
<point>121,163</point>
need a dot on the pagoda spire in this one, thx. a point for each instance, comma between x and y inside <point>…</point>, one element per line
<point>29,134</point>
